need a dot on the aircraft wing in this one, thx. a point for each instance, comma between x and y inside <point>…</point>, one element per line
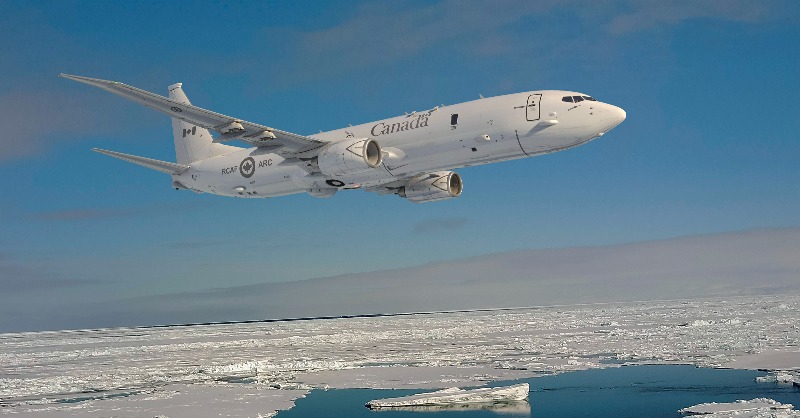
<point>229,128</point>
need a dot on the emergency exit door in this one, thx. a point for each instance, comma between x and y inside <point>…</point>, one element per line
<point>532,109</point>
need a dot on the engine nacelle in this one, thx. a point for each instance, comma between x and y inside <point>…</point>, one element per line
<point>431,187</point>
<point>351,156</point>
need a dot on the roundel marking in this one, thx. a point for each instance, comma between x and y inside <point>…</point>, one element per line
<point>176,109</point>
<point>335,183</point>
<point>248,167</point>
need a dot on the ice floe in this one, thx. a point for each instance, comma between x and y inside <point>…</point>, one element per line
<point>780,377</point>
<point>772,358</point>
<point>456,396</point>
<point>754,408</point>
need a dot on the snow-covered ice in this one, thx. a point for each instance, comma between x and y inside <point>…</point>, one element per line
<point>174,401</point>
<point>754,408</point>
<point>89,372</point>
<point>456,396</point>
<point>779,377</point>
<point>773,359</point>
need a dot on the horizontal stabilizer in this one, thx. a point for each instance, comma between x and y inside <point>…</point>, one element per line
<point>162,166</point>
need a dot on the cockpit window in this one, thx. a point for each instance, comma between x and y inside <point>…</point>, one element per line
<point>576,99</point>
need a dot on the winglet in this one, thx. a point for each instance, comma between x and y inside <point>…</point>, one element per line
<point>162,166</point>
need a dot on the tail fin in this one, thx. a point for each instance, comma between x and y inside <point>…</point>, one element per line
<point>192,143</point>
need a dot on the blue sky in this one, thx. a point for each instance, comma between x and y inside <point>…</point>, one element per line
<point>710,144</point>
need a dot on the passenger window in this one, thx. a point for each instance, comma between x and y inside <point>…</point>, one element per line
<point>567,99</point>
<point>577,99</point>
<point>454,119</point>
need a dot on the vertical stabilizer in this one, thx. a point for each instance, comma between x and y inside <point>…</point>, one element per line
<point>192,143</point>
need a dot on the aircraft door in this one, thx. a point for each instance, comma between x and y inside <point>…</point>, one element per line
<point>532,109</point>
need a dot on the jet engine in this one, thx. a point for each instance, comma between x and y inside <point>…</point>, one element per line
<point>351,156</point>
<point>431,187</point>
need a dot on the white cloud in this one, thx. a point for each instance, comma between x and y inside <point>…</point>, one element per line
<point>755,262</point>
<point>382,34</point>
<point>647,14</point>
<point>377,37</point>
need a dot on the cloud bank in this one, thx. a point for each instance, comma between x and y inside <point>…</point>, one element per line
<point>759,262</point>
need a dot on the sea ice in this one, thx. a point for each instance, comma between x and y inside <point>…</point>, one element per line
<point>779,377</point>
<point>771,359</point>
<point>456,396</point>
<point>754,408</point>
<point>173,401</point>
<point>94,373</point>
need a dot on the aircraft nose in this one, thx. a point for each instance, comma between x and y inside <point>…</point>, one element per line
<point>618,114</point>
<point>612,116</point>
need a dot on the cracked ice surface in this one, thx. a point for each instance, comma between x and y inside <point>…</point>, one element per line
<point>439,350</point>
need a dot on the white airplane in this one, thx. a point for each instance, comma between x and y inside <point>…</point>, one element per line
<point>410,155</point>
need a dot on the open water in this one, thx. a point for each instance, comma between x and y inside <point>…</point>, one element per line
<point>630,391</point>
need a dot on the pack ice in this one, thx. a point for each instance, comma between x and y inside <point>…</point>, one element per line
<point>252,369</point>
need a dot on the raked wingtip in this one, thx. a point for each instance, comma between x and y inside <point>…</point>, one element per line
<point>87,80</point>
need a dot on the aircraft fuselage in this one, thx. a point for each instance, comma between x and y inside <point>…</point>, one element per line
<point>478,132</point>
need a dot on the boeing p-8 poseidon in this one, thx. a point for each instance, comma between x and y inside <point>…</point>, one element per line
<point>410,155</point>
